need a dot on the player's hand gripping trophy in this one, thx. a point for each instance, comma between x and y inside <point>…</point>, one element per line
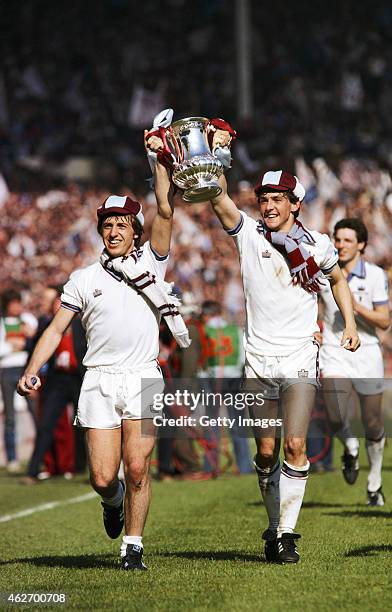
<point>195,149</point>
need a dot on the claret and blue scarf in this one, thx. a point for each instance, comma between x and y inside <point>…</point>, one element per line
<point>158,292</point>
<point>303,267</point>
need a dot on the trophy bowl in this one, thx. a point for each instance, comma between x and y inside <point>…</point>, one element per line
<point>196,170</point>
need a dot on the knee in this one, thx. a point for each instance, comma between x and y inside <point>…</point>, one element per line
<point>102,481</point>
<point>294,449</point>
<point>136,472</point>
<point>266,455</point>
<point>374,427</point>
<point>374,432</point>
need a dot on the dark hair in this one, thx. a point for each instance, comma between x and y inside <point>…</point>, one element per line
<point>290,196</point>
<point>355,224</point>
<point>211,308</point>
<point>136,225</point>
<point>10,295</point>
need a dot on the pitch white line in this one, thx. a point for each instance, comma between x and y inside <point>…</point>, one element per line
<point>48,506</point>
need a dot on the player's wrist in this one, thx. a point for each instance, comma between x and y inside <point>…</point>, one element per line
<point>351,329</point>
<point>31,373</point>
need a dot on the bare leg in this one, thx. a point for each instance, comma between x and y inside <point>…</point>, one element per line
<point>372,417</point>
<point>338,395</point>
<point>138,444</point>
<point>297,403</point>
<point>104,454</point>
<point>267,441</point>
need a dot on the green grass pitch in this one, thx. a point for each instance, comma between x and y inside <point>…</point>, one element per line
<point>202,547</point>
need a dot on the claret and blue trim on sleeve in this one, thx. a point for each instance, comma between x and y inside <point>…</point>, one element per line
<point>236,229</point>
<point>157,256</point>
<point>329,269</point>
<point>72,307</point>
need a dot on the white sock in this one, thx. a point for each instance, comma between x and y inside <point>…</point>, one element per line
<point>116,499</point>
<point>292,489</point>
<point>269,487</point>
<point>136,540</point>
<point>352,446</point>
<point>375,451</point>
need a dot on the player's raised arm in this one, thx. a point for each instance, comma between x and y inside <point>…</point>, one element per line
<point>224,207</point>
<point>342,295</point>
<point>164,192</point>
<point>45,348</point>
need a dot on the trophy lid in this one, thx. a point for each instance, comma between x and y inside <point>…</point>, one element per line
<point>188,123</point>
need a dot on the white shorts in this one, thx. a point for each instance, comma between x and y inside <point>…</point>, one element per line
<point>110,395</point>
<point>276,374</point>
<point>365,367</point>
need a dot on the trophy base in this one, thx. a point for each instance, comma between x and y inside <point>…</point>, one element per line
<point>201,193</point>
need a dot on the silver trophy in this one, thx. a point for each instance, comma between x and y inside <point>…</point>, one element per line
<point>196,169</point>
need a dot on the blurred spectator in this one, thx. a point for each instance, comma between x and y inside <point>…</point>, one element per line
<point>322,84</point>
<point>177,455</point>
<point>216,357</point>
<point>62,380</point>
<point>18,325</point>
<point>224,359</point>
<point>66,454</point>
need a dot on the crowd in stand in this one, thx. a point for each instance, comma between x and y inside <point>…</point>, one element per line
<point>44,236</point>
<point>85,83</point>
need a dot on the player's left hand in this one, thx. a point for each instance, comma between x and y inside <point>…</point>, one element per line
<point>28,383</point>
<point>318,336</point>
<point>152,143</point>
<point>350,340</point>
<point>221,138</point>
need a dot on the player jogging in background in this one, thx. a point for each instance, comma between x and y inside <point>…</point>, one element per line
<point>363,371</point>
<point>283,265</point>
<point>119,301</point>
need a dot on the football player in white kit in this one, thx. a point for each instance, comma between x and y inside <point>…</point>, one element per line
<point>282,264</point>
<point>122,330</point>
<point>363,371</point>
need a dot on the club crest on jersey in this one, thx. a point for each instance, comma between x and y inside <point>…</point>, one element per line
<point>97,292</point>
<point>266,254</point>
<point>303,373</point>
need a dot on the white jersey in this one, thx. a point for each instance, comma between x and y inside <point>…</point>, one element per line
<point>369,286</point>
<point>122,326</point>
<point>280,317</point>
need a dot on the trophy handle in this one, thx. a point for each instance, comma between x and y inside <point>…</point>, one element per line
<point>162,133</point>
<point>224,155</point>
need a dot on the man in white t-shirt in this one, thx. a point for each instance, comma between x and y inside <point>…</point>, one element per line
<point>16,327</point>
<point>282,265</point>
<point>122,331</point>
<point>363,371</point>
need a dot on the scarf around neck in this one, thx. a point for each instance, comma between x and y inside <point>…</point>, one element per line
<point>303,268</point>
<point>158,292</point>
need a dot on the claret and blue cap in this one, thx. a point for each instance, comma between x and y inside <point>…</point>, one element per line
<point>121,205</point>
<point>280,180</point>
